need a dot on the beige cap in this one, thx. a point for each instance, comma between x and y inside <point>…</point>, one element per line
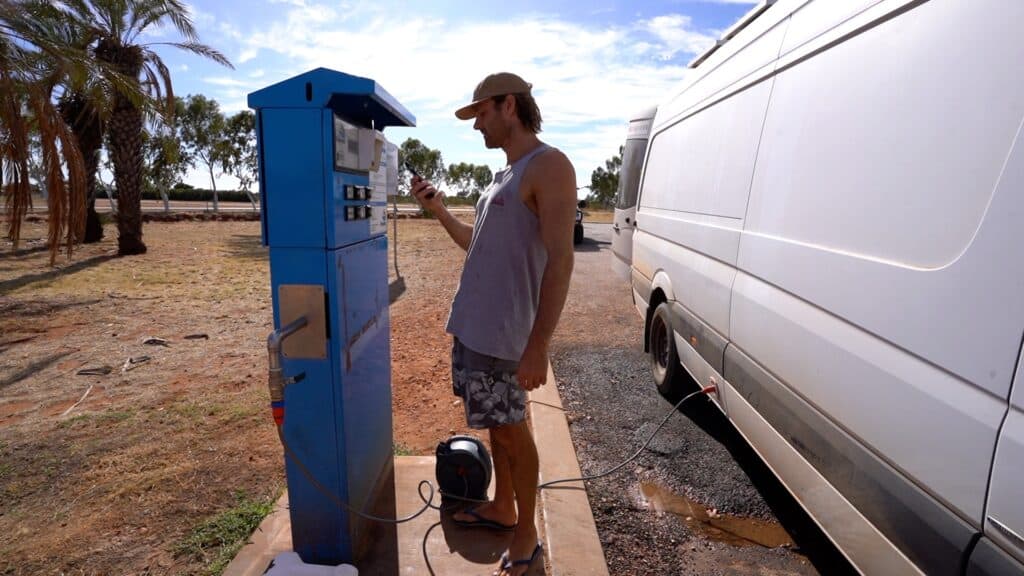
<point>494,85</point>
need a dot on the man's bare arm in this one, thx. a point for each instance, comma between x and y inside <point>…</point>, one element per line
<point>553,183</point>
<point>460,232</point>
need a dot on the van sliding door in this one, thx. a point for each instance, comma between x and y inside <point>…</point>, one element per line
<point>877,312</point>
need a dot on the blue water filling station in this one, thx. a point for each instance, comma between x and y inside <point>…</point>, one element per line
<point>319,138</point>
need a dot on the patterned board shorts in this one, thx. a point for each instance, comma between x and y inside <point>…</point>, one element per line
<point>488,387</point>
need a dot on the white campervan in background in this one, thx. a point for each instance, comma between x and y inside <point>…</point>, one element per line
<point>830,230</point>
<point>637,134</point>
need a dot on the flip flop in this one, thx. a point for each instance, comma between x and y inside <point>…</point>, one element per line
<point>482,522</point>
<point>507,565</point>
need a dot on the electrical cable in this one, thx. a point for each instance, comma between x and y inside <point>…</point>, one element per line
<point>705,390</point>
<point>428,502</point>
<point>394,234</point>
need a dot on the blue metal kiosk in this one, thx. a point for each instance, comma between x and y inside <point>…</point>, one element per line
<point>325,226</point>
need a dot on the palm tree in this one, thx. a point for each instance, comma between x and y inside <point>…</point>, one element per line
<point>117,25</point>
<point>29,60</point>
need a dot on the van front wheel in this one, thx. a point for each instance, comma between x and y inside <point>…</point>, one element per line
<point>668,373</point>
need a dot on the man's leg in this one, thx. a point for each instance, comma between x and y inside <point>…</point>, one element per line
<point>517,442</point>
<point>503,508</point>
<point>504,503</point>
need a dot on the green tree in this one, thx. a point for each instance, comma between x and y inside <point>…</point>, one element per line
<point>201,126</point>
<point>469,179</point>
<point>482,178</point>
<point>460,176</point>
<point>166,162</point>
<point>425,160</point>
<point>604,181</point>
<point>236,151</point>
<point>117,26</point>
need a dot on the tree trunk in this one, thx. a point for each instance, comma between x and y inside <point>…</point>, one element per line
<point>93,225</point>
<point>87,127</point>
<point>213,184</point>
<point>125,146</point>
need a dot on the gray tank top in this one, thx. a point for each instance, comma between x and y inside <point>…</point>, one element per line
<point>496,303</point>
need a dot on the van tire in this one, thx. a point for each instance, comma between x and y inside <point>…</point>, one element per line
<point>577,234</point>
<point>668,373</point>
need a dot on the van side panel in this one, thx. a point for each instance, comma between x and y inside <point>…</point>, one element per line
<point>740,63</point>
<point>989,560</point>
<point>702,282</point>
<point>907,516</point>
<point>702,164</point>
<point>881,259</point>
<point>882,164</point>
<point>1004,516</point>
<point>1004,522</point>
<point>696,182</point>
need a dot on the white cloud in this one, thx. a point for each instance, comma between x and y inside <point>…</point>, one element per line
<point>247,55</point>
<point>228,81</point>
<point>587,79</point>
<point>675,33</point>
<point>230,30</point>
<point>183,68</point>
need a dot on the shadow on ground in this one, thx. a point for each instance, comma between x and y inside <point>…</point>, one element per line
<point>22,281</point>
<point>591,245</point>
<point>32,368</point>
<point>246,246</point>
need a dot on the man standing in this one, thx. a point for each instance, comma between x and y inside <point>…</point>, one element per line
<point>519,258</point>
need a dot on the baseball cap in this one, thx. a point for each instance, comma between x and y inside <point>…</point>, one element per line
<point>494,85</point>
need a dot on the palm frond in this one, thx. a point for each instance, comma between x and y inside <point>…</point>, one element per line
<point>154,60</point>
<point>200,49</point>
<point>14,151</point>
<point>151,84</point>
<point>149,12</point>
<point>65,198</point>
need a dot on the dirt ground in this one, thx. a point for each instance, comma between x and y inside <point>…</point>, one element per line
<point>110,473</point>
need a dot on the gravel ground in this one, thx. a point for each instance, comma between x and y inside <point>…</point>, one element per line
<point>698,500</point>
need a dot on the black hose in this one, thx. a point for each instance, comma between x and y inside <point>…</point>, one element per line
<point>637,453</point>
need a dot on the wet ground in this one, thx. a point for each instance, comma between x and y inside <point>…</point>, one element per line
<point>697,500</point>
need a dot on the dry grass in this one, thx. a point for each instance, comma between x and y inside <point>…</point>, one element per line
<point>121,483</point>
<point>598,215</point>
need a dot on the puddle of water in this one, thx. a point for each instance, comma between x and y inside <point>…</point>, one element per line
<point>732,530</point>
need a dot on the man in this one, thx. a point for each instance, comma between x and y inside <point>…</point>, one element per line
<point>519,257</point>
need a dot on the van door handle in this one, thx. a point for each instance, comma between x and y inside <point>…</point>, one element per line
<point>615,227</point>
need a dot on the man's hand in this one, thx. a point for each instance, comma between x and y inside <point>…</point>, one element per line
<point>421,189</point>
<point>533,367</point>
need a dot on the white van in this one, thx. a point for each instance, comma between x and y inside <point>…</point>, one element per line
<point>624,221</point>
<point>830,229</point>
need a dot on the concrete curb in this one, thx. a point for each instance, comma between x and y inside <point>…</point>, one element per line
<point>573,546</point>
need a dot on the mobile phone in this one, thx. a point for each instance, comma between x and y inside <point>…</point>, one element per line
<point>417,174</point>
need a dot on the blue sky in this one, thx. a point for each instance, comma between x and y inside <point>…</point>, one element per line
<point>592,64</point>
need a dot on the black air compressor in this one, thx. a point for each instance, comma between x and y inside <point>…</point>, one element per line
<point>463,469</point>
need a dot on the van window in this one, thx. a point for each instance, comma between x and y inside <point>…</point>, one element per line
<point>629,175</point>
<point>703,164</point>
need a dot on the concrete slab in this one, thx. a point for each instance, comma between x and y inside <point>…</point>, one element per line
<point>433,544</point>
